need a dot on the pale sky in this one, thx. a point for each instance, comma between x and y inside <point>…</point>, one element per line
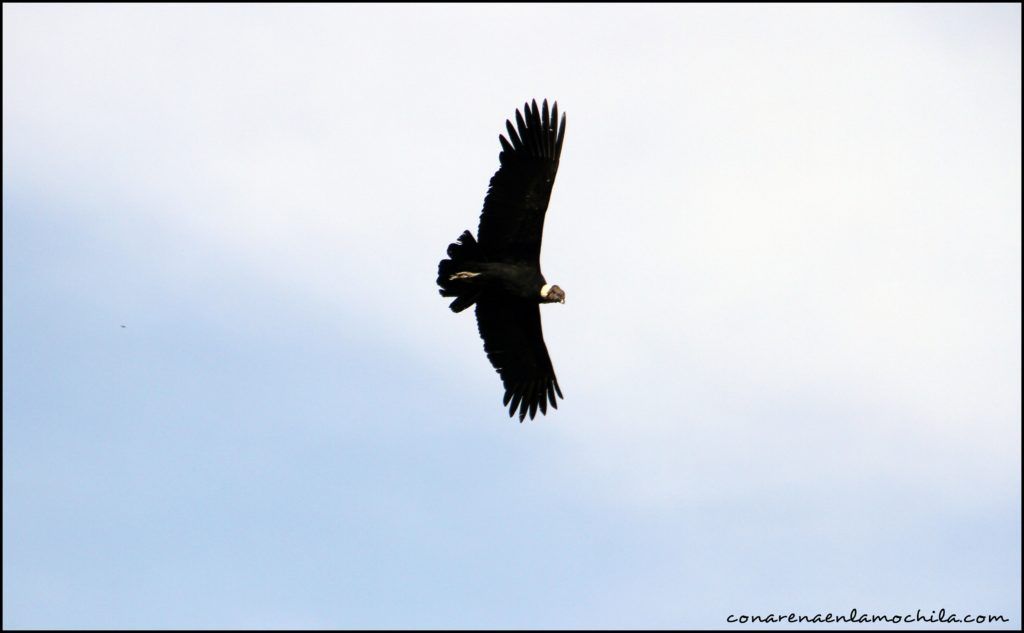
<point>790,237</point>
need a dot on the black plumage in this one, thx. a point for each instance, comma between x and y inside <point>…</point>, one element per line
<point>500,273</point>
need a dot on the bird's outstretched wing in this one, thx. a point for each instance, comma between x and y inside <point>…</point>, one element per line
<point>512,221</point>
<point>515,346</point>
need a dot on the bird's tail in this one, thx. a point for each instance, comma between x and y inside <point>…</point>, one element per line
<point>455,275</point>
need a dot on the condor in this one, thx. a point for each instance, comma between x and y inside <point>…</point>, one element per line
<point>499,271</point>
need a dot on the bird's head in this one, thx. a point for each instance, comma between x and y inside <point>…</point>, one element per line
<point>552,294</point>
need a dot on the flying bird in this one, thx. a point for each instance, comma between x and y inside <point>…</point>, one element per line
<point>499,271</point>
